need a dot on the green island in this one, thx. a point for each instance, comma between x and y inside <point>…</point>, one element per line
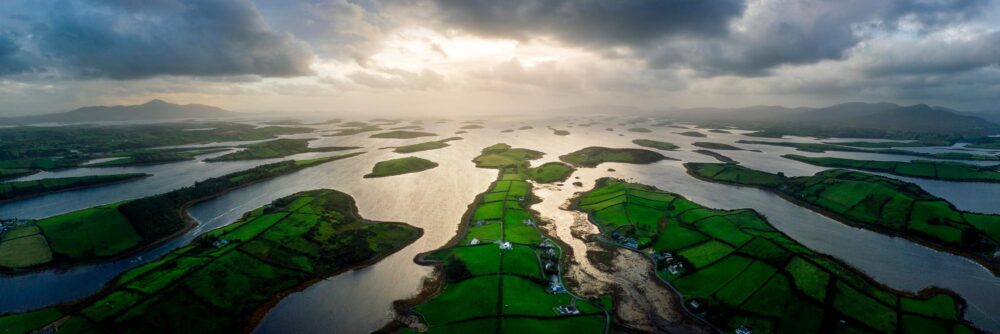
<point>559,132</point>
<point>660,145</point>
<point>48,148</point>
<point>353,128</point>
<point>471,127</point>
<point>12,173</point>
<point>402,134</point>
<point>695,134</point>
<point>156,156</point>
<point>122,228</point>
<point>594,155</point>
<point>717,156</point>
<point>822,148</point>
<point>640,130</point>
<point>716,146</point>
<point>276,149</point>
<point>888,144</point>
<point>936,170</point>
<point>226,279</point>
<point>20,189</point>
<point>765,134</point>
<point>737,272</point>
<point>526,127</point>
<point>550,172</point>
<point>425,146</point>
<point>400,166</point>
<point>877,203</point>
<point>408,127</point>
<point>718,131</point>
<point>500,274</point>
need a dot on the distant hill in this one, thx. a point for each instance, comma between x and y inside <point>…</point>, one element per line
<point>864,120</point>
<point>154,110</point>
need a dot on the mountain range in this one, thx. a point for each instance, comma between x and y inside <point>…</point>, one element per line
<point>154,110</point>
<point>861,118</point>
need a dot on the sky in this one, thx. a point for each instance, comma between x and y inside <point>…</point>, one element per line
<point>422,57</point>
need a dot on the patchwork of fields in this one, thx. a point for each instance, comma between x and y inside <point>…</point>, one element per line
<point>217,283</point>
<point>503,275</point>
<point>736,271</point>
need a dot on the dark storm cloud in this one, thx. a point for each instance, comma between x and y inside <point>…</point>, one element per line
<point>11,57</point>
<point>711,37</point>
<point>130,39</point>
<point>597,23</point>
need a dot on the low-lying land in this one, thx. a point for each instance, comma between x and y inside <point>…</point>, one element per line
<point>717,156</point>
<point>736,271</point>
<point>12,173</point>
<point>593,156</point>
<point>353,129</point>
<point>716,146</point>
<point>550,172</point>
<point>471,127</point>
<point>877,203</point>
<point>425,146</point>
<point>118,229</point>
<point>936,170</point>
<point>559,132</point>
<point>660,145</point>
<point>227,278</point>
<point>276,149</point>
<point>695,134</point>
<point>400,166</point>
<point>21,189</point>
<point>500,274</point>
<point>718,131</point>
<point>402,134</point>
<point>156,156</point>
<point>822,148</point>
<point>765,134</point>
<point>640,130</point>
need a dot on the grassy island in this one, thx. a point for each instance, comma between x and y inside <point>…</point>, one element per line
<point>353,128</point>
<point>559,132</point>
<point>717,156</point>
<point>718,131</point>
<point>550,172</point>
<point>471,127</point>
<point>593,156</point>
<point>765,134</point>
<point>876,203</point>
<point>156,156</point>
<point>822,148</point>
<point>660,145</point>
<point>15,173</point>
<point>640,130</point>
<point>501,274</point>
<point>21,189</point>
<point>402,134</point>
<point>426,146</point>
<point>937,170</point>
<point>716,146</point>
<point>695,134</point>
<point>736,271</point>
<point>227,278</point>
<point>117,229</point>
<point>400,166</point>
<point>276,149</point>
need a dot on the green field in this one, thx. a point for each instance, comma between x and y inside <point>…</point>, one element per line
<point>402,134</point>
<point>486,285</point>
<point>695,134</point>
<point>19,189</point>
<point>593,156</point>
<point>550,172</point>
<point>400,166</point>
<point>937,170</point>
<point>114,229</point>
<point>716,146</point>
<point>660,145</point>
<point>821,148</point>
<point>276,149</point>
<point>736,271</point>
<point>874,202</point>
<point>218,282</point>
<point>425,146</point>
